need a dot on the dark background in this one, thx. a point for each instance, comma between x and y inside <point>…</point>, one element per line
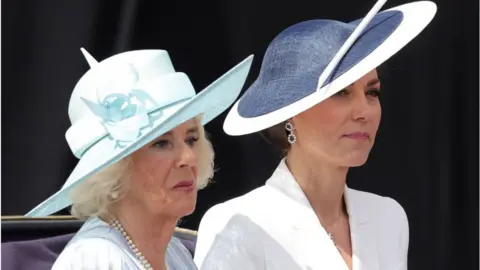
<point>426,155</point>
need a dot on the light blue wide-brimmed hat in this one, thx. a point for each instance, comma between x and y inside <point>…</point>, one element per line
<point>312,60</point>
<point>128,100</point>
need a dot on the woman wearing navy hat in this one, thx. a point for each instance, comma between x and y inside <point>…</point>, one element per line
<point>316,97</point>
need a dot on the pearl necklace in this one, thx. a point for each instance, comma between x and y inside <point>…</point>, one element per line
<point>118,226</point>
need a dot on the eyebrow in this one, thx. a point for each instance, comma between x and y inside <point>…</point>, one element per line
<point>373,82</point>
<point>189,131</point>
<point>192,130</point>
<point>370,83</point>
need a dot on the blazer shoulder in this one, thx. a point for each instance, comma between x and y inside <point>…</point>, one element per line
<point>390,224</point>
<point>378,205</point>
<point>238,204</point>
<point>220,217</point>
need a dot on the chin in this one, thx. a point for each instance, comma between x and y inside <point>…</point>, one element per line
<point>180,210</point>
<point>187,210</point>
<point>356,159</point>
<point>185,207</point>
<point>357,163</point>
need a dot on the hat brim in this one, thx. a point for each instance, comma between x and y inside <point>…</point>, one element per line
<point>416,16</point>
<point>209,103</point>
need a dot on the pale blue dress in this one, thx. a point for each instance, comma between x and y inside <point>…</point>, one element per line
<point>97,246</point>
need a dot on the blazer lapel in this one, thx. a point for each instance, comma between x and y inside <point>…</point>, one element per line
<point>309,243</point>
<point>314,249</point>
<point>362,232</point>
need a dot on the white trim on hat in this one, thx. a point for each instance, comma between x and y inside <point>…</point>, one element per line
<point>417,16</point>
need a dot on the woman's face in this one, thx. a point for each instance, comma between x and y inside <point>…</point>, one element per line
<point>341,130</point>
<point>164,172</point>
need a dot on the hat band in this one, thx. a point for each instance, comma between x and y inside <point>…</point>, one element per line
<point>122,116</point>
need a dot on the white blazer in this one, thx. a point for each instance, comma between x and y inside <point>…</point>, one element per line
<point>274,227</point>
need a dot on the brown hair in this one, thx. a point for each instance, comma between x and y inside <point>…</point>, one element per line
<point>277,136</point>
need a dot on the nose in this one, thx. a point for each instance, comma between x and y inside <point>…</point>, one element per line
<point>187,157</point>
<point>361,108</point>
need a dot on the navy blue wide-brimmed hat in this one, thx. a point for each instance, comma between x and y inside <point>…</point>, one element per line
<point>312,60</point>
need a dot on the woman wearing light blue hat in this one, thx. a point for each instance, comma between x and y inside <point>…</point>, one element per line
<point>316,97</point>
<point>137,128</point>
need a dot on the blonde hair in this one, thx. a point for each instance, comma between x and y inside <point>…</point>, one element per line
<point>93,197</point>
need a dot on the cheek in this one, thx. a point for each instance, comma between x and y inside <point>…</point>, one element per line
<point>375,118</point>
<point>150,177</point>
<point>321,125</point>
<point>378,113</point>
<point>200,160</point>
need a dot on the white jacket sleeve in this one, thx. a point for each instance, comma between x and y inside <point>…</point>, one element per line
<point>91,254</point>
<point>236,247</point>
<point>403,232</point>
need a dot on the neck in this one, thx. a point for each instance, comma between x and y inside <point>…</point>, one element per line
<point>150,233</point>
<point>323,184</point>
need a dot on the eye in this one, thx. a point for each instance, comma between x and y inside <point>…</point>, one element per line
<point>192,141</point>
<point>162,144</point>
<point>374,93</point>
<point>341,93</point>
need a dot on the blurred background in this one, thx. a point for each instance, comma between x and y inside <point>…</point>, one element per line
<point>426,153</point>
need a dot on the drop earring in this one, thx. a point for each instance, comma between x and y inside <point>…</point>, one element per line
<point>291,136</point>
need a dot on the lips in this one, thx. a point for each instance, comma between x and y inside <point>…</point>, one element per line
<point>358,135</point>
<point>188,184</point>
